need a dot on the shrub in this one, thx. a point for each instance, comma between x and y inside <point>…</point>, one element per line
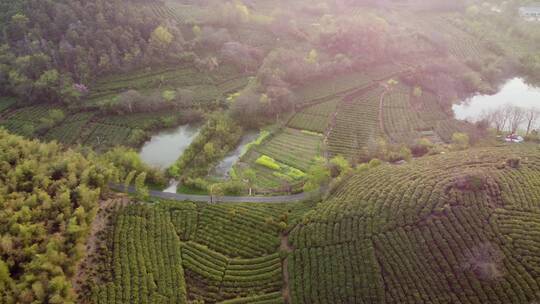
<point>233,187</point>
<point>374,163</point>
<point>471,182</point>
<point>421,147</point>
<point>460,141</point>
<point>136,137</point>
<point>268,162</point>
<point>513,162</point>
<point>294,173</point>
<point>196,183</point>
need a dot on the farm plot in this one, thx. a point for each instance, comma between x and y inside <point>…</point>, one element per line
<point>356,125</point>
<point>143,121</point>
<point>146,260</point>
<point>24,121</point>
<point>293,148</point>
<point>239,230</point>
<point>6,103</point>
<point>19,127</point>
<point>401,121</point>
<point>67,133</point>
<point>407,117</point>
<point>459,43</point>
<point>315,118</point>
<point>428,107</point>
<point>446,128</point>
<point>70,131</point>
<point>101,136</point>
<point>281,161</point>
<point>206,87</point>
<point>31,114</point>
<point>214,277</point>
<point>327,89</point>
<point>171,252</point>
<point>476,245</point>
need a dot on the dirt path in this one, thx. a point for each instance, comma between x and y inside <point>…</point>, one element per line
<point>83,267</point>
<point>285,246</point>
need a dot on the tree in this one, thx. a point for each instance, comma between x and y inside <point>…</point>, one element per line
<point>161,38</point>
<point>250,176</point>
<point>317,175</point>
<point>140,188</point>
<point>532,114</point>
<point>460,141</point>
<point>516,118</point>
<point>417,92</point>
<point>340,166</point>
<point>127,101</point>
<point>500,118</point>
<point>129,179</point>
<point>216,191</point>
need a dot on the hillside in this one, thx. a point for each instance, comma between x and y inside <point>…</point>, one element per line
<point>114,112</point>
<point>456,228</point>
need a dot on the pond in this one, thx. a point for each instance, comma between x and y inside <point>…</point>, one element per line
<point>224,167</point>
<point>514,92</point>
<point>165,147</point>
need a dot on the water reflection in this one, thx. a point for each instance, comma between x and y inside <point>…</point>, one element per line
<point>165,147</point>
<point>224,167</point>
<point>514,92</point>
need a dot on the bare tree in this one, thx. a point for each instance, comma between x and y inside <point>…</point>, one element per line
<point>532,115</point>
<point>499,118</point>
<point>516,118</point>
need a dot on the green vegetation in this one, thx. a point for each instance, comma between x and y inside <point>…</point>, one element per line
<point>314,118</point>
<point>356,126</point>
<point>408,116</point>
<point>49,198</point>
<point>367,242</point>
<point>358,96</point>
<point>466,218</point>
<point>279,161</point>
<point>268,162</point>
<point>199,252</point>
<point>159,277</point>
<point>215,140</point>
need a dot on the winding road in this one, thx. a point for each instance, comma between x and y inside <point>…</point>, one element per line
<point>222,199</point>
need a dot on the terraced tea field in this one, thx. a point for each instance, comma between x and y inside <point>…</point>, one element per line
<point>407,117</point>
<point>183,251</point>
<point>467,219</point>
<point>356,125</point>
<point>6,102</point>
<point>206,87</point>
<point>24,121</point>
<point>341,85</point>
<point>292,150</point>
<point>315,118</point>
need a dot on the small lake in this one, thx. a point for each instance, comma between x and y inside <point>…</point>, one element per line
<point>224,167</point>
<point>165,147</point>
<point>514,92</point>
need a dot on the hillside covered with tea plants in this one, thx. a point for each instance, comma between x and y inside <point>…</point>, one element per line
<point>457,228</point>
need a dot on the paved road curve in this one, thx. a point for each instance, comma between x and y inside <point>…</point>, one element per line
<point>221,199</point>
